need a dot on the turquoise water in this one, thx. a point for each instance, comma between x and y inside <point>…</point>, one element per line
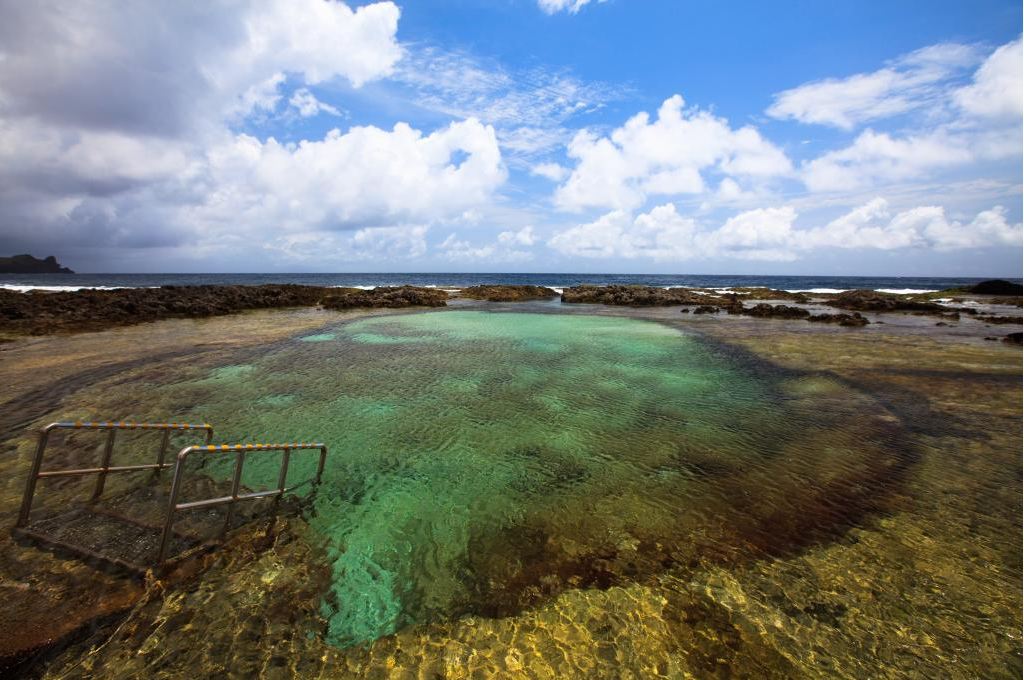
<point>482,462</point>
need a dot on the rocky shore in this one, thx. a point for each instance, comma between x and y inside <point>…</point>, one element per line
<point>508,293</point>
<point>42,312</point>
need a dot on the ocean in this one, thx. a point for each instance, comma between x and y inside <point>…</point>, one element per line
<point>822,284</point>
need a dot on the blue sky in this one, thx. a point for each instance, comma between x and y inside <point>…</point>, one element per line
<point>514,135</point>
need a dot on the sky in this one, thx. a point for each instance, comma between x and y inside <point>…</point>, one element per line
<point>627,136</point>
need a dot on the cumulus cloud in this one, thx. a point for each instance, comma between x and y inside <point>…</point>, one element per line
<point>875,157</point>
<point>916,80</point>
<point>551,171</point>
<point>364,176</point>
<point>996,89</point>
<point>507,247</point>
<point>667,156</point>
<point>662,234</point>
<point>960,127</point>
<point>116,128</point>
<point>571,6</point>
<point>523,237</point>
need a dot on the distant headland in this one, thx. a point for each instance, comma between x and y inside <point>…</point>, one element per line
<point>26,264</point>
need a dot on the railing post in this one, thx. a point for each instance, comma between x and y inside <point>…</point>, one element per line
<point>282,478</point>
<point>107,452</point>
<point>320,465</point>
<point>236,483</point>
<point>172,507</point>
<point>165,441</point>
<point>33,476</point>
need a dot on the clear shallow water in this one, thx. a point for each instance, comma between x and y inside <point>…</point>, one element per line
<point>484,462</point>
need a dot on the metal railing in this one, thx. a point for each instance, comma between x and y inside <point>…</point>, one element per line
<point>35,474</point>
<point>240,451</point>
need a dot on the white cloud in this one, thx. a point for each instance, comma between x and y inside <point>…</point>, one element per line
<point>507,248</point>
<point>169,69</point>
<point>770,234</point>
<point>364,176</point>
<point>662,234</point>
<point>997,87</point>
<point>878,157</point>
<point>307,105</point>
<point>392,243</point>
<point>668,156</point>
<point>523,237</point>
<point>551,171</point>
<point>872,226</point>
<point>571,6</point>
<point>529,108</point>
<point>916,80</point>
<point>115,128</point>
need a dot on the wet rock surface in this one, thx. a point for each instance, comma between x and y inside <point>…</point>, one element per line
<point>507,293</point>
<point>873,301</point>
<point>777,311</point>
<point>38,312</point>
<point>636,296</point>
<point>384,297</point>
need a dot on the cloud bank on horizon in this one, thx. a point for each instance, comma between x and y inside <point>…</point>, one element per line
<point>310,135</point>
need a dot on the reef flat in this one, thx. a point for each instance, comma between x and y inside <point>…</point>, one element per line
<point>562,490</point>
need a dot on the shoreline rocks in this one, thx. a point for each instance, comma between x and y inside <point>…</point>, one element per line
<point>508,293</point>
<point>40,312</point>
<point>384,297</point>
<point>636,296</point>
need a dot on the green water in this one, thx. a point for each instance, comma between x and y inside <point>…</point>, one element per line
<point>481,462</point>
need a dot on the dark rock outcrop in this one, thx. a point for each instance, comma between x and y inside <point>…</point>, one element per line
<point>39,312</point>
<point>996,319</point>
<point>996,287</point>
<point>1013,338</point>
<point>851,320</point>
<point>26,264</point>
<point>507,293</point>
<point>635,296</point>
<point>777,312</point>
<point>705,309</point>
<point>873,301</point>
<point>384,296</point>
<point>758,293</point>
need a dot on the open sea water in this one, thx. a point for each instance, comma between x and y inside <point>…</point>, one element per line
<point>823,284</point>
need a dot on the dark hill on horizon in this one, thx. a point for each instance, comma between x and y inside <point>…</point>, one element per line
<point>26,264</point>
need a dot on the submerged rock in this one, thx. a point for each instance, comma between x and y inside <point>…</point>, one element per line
<point>705,309</point>
<point>851,320</point>
<point>508,293</point>
<point>996,319</point>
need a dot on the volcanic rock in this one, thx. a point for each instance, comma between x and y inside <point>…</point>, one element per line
<point>851,320</point>
<point>996,287</point>
<point>635,296</point>
<point>384,296</point>
<point>507,293</point>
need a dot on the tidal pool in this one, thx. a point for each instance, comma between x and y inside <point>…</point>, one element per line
<point>482,463</point>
